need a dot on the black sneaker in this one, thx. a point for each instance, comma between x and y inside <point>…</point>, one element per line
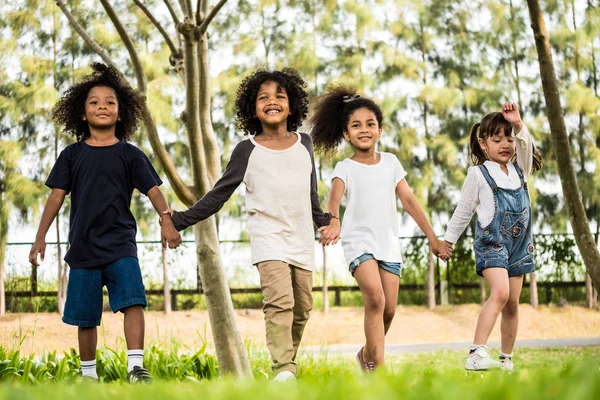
<point>139,375</point>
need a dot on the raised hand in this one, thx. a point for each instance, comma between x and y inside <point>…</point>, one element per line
<point>510,112</point>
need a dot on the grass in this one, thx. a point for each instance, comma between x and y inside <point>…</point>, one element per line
<point>560,373</point>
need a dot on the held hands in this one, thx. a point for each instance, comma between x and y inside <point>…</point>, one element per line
<point>168,233</point>
<point>441,249</point>
<point>38,247</point>
<point>330,234</point>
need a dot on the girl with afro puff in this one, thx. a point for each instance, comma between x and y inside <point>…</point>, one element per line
<point>100,171</point>
<point>277,167</point>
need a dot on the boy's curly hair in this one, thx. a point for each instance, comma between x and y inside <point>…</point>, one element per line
<point>70,109</point>
<point>287,78</point>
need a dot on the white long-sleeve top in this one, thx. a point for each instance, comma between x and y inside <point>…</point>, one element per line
<point>477,195</point>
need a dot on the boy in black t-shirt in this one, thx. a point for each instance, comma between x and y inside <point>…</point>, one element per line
<point>100,172</point>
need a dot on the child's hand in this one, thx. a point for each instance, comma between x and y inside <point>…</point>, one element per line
<point>510,112</point>
<point>330,234</point>
<point>168,233</point>
<point>38,247</point>
<point>441,249</point>
<point>168,211</point>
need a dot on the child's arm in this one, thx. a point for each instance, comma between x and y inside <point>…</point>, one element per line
<point>330,234</point>
<point>213,200</point>
<point>320,218</point>
<point>168,233</point>
<point>55,201</point>
<point>524,141</point>
<point>414,209</point>
<point>469,198</point>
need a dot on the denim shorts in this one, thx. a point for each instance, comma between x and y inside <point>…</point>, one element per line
<point>123,279</point>
<point>392,267</point>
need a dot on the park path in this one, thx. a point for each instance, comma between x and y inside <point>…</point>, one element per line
<point>399,349</point>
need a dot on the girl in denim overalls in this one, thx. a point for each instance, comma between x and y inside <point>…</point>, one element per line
<point>496,187</point>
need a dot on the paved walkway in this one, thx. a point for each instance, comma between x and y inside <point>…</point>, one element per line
<point>396,349</point>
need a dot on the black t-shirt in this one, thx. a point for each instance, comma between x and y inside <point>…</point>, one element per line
<point>101,182</point>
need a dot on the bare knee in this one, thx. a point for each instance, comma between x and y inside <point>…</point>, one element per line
<point>388,315</point>
<point>374,302</point>
<point>499,296</point>
<point>511,308</point>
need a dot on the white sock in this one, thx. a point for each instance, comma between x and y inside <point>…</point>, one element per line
<point>475,347</point>
<point>506,356</point>
<point>135,358</point>
<point>88,368</point>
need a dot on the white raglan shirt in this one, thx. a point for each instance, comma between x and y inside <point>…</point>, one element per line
<point>370,221</point>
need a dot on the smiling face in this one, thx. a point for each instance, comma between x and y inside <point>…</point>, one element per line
<point>499,148</point>
<point>272,104</point>
<point>363,130</point>
<point>101,108</point>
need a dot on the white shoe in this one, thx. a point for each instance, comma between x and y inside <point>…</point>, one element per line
<point>284,376</point>
<point>507,364</point>
<point>480,360</point>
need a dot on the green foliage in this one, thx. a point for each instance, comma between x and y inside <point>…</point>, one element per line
<point>564,373</point>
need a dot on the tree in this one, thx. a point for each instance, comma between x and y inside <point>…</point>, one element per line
<point>570,187</point>
<point>16,191</point>
<point>189,60</point>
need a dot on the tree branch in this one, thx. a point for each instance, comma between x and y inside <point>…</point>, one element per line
<point>202,28</point>
<point>173,13</point>
<point>158,26</point>
<point>186,6</point>
<point>176,58</point>
<point>135,60</point>
<point>86,38</point>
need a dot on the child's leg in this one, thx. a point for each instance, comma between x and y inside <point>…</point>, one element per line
<point>125,285</point>
<point>510,315</point>
<point>497,278</point>
<point>390,283</point>
<point>88,340</point>
<point>302,282</point>
<point>370,283</point>
<point>278,304</point>
<point>134,327</point>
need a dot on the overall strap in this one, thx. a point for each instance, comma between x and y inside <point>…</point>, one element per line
<point>488,178</point>
<point>521,176</point>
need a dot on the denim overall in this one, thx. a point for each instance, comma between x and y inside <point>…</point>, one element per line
<point>507,241</point>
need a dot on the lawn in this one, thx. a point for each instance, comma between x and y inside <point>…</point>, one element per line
<point>559,373</point>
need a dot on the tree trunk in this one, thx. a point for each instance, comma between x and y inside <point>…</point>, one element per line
<point>3,239</point>
<point>325,289</point>
<point>554,112</point>
<point>431,282</point>
<point>166,285</point>
<point>533,290</point>
<point>231,352</point>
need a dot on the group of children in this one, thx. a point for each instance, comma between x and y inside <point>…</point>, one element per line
<point>276,164</point>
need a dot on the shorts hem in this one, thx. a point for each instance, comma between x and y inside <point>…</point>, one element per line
<point>137,301</point>
<point>80,323</point>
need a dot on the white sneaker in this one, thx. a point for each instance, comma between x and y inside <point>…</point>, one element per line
<point>480,360</point>
<point>507,364</point>
<point>284,376</point>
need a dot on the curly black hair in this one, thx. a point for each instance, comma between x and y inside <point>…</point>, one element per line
<point>70,109</point>
<point>332,112</point>
<point>493,124</point>
<point>245,103</point>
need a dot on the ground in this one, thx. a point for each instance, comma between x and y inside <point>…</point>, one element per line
<point>37,333</point>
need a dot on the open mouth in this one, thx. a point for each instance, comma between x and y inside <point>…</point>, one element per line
<point>272,112</point>
<point>505,153</point>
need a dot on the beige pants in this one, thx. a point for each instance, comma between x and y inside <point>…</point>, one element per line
<point>287,304</point>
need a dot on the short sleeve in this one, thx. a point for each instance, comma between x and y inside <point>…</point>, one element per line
<point>143,175</point>
<point>340,171</point>
<point>399,171</point>
<point>60,177</point>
